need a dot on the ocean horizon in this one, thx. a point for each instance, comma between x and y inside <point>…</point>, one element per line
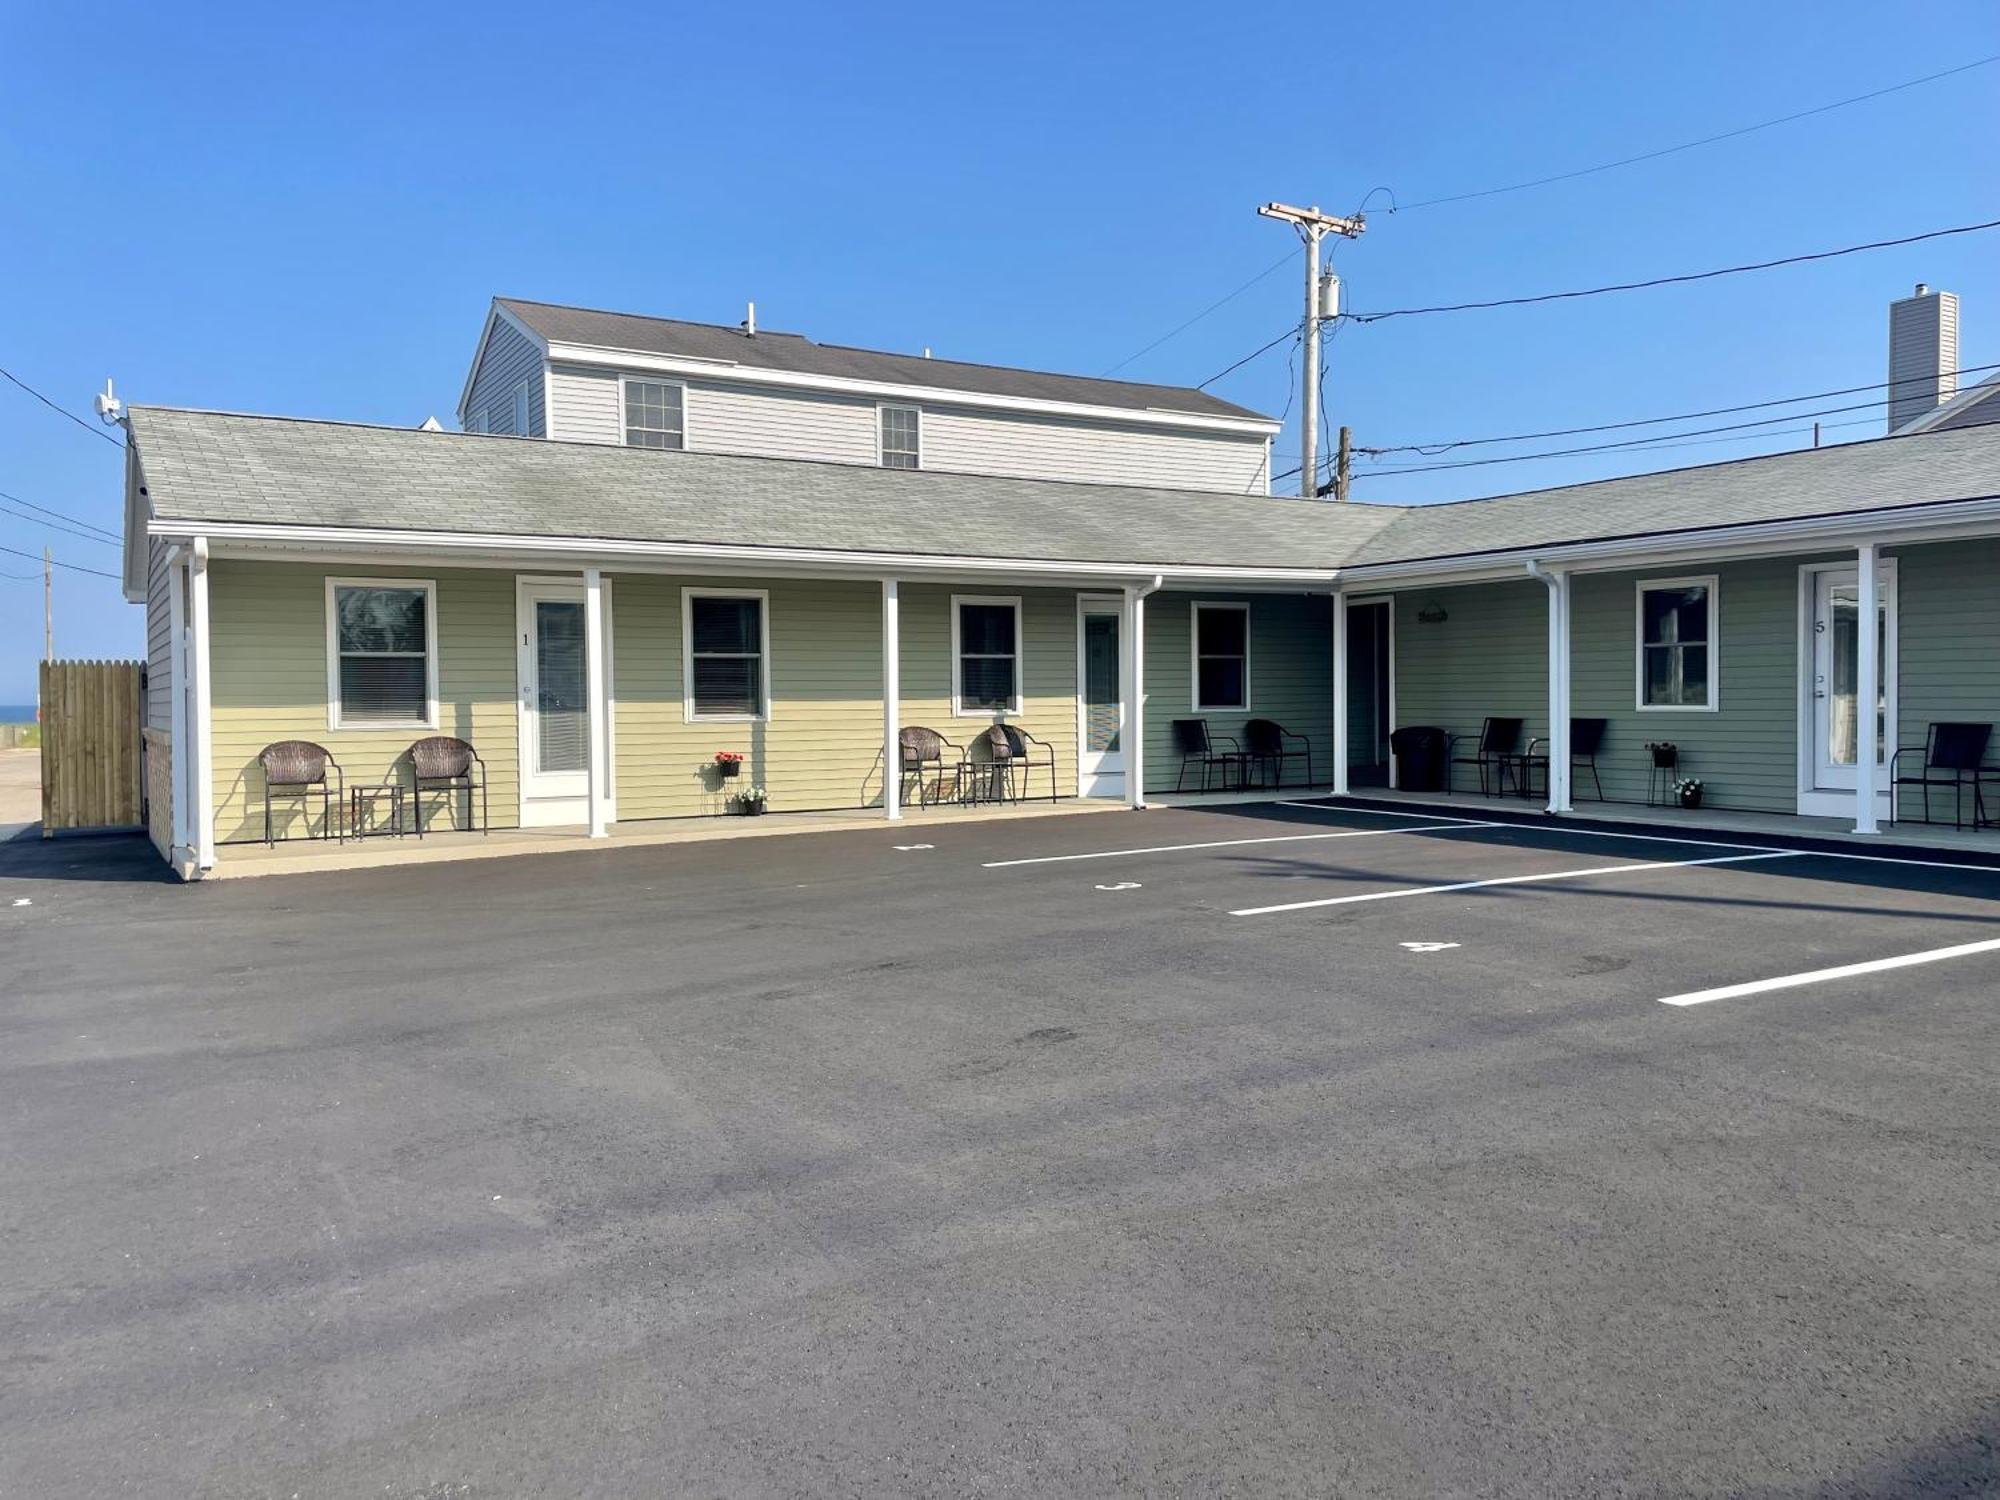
<point>17,713</point>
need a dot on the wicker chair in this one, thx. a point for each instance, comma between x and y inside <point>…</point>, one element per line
<point>445,764</point>
<point>300,767</point>
<point>923,750</point>
<point>1012,747</point>
<point>1267,743</point>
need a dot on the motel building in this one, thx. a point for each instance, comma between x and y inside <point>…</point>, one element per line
<point>664,564</point>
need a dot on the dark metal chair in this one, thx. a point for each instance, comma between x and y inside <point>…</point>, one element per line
<point>300,767</point>
<point>1498,754</point>
<point>1012,747</point>
<point>1268,743</point>
<point>445,764</point>
<point>1197,747</point>
<point>1586,738</point>
<point>1958,752</point>
<point>923,750</point>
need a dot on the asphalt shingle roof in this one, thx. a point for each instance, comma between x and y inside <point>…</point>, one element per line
<point>215,467</point>
<point>795,352</point>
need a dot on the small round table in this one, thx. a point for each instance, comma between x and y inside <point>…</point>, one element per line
<point>363,799</point>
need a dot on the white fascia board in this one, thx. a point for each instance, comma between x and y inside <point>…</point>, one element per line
<point>136,562</point>
<point>598,357</point>
<point>1936,521</point>
<point>237,538</point>
<point>495,314</point>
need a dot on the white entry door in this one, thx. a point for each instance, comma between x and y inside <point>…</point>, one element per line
<point>1100,706</point>
<point>555,704</point>
<point>1835,707</point>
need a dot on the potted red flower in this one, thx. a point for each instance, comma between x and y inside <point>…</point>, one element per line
<point>728,764</point>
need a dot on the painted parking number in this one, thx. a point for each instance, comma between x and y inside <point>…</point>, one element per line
<point>1427,947</point>
<point>1121,885</point>
<point>910,848</point>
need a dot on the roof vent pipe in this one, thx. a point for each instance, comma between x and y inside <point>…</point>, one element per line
<point>750,320</point>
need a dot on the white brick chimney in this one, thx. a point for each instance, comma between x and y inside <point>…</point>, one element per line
<point>1923,354</point>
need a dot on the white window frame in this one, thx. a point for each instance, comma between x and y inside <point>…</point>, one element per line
<point>334,718</point>
<point>523,410</point>
<point>883,407</point>
<point>1194,656</point>
<point>763,598</point>
<point>625,383</point>
<point>959,710</point>
<point>1713,584</point>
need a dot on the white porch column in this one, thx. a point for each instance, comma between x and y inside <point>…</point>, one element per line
<point>892,690</point>
<point>1867,688</point>
<point>1131,679</point>
<point>1339,693</point>
<point>181,840</point>
<point>1559,705</point>
<point>598,716</point>
<point>201,770</point>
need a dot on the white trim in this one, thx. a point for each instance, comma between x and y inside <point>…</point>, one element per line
<point>202,695</point>
<point>1713,584</point>
<point>288,541</point>
<point>1340,693</point>
<point>547,809</point>
<point>958,708</point>
<point>1868,687</point>
<point>688,367</point>
<point>1843,971</point>
<point>495,313</point>
<point>597,699</point>
<point>1100,777</point>
<point>882,408</point>
<point>180,749</point>
<point>1133,685</point>
<point>1814,800</point>
<point>334,720</point>
<point>763,598</point>
<point>625,424</point>
<point>892,700</point>
<point>1195,610</point>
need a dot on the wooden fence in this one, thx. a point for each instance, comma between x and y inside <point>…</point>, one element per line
<point>91,771</point>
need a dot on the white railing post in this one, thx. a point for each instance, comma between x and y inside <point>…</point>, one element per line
<point>892,689</point>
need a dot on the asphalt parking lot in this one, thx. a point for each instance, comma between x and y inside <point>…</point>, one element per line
<point>1250,1151</point>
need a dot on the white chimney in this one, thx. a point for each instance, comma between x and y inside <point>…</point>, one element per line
<point>1923,354</point>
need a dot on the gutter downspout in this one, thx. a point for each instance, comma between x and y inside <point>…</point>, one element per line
<point>1559,767</point>
<point>1133,643</point>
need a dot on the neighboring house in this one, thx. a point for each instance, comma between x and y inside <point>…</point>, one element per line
<point>601,622</point>
<point>576,375</point>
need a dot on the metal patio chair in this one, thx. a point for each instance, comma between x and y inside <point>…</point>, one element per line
<point>1497,755</point>
<point>1954,755</point>
<point>300,767</point>
<point>1012,747</point>
<point>923,751</point>
<point>1586,738</point>
<point>445,764</point>
<point>1197,747</point>
<point>1268,743</point>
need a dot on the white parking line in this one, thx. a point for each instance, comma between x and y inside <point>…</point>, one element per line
<point>1473,885</point>
<point>1844,971</point>
<point>1281,838</point>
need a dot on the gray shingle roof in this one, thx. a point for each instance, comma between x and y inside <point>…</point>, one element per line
<point>1928,468</point>
<point>795,352</point>
<point>1976,406</point>
<point>214,467</point>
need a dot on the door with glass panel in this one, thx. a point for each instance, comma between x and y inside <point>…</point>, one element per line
<point>1100,705</point>
<point>555,704</point>
<point>1836,674</point>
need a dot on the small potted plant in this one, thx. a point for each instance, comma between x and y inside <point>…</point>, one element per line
<point>1688,791</point>
<point>750,801</point>
<point>728,764</point>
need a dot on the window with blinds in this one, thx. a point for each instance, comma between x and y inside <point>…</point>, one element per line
<point>726,668</point>
<point>986,655</point>
<point>1221,657</point>
<point>382,654</point>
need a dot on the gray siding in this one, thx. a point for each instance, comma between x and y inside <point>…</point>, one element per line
<point>159,638</point>
<point>1291,676</point>
<point>1488,657</point>
<point>510,358</point>
<point>584,406</point>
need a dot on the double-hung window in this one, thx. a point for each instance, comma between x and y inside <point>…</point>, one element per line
<point>726,654</point>
<point>381,653</point>
<point>1221,657</point>
<point>1677,640</point>
<point>655,414</point>
<point>902,437</point>
<point>986,655</point>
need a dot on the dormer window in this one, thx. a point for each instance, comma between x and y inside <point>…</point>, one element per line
<point>655,414</point>
<point>902,437</point>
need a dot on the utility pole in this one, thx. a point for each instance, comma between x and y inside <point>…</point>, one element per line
<point>1342,467</point>
<point>48,607</point>
<point>1322,302</point>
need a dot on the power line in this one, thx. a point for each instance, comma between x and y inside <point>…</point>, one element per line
<point>73,567</point>
<point>1433,449</point>
<point>22,515</point>
<point>104,531</point>
<point>1707,140</point>
<point>62,411</point>
<point>1634,286</point>
<point>1283,260</point>
<point>1289,333</point>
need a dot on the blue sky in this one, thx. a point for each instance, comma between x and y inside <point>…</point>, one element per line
<point>263,209</point>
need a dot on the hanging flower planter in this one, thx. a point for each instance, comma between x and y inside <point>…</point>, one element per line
<point>728,764</point>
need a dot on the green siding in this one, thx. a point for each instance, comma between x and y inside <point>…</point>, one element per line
<point>1291,676</point>
<point>1487,658</point>
<point>1948,655</point>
